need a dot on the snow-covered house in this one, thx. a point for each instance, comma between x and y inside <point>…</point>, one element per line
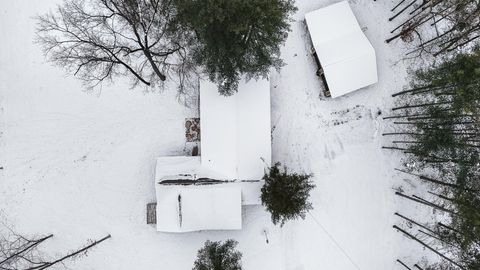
<point>346,56</point>
<point>207,192</point>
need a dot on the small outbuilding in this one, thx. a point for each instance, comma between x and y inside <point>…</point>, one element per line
<point>346,57</point>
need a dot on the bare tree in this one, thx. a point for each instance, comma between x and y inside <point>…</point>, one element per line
<point>441,26</point>
<point>18,252</point>
<point>97,40</point>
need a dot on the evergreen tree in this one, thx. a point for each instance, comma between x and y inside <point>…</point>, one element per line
<point>218,256</point>
<point>236,37</point>
<point>285,195</point>
<point>441,110</point>
<point>440,132</point>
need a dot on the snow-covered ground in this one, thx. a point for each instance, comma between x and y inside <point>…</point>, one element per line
<point>81,165</point>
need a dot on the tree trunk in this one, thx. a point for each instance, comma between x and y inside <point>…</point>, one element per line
<point>32,244</point>
<point>414,222</point>
<point>153,65</point>
<point>46,265</point>
<point>425,202</point>
<point>404,265</point>
<point>427,246</point>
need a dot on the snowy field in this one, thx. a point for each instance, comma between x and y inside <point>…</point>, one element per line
<point>80,164</point>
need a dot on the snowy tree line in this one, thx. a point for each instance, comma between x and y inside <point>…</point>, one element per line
<point>437,127</point>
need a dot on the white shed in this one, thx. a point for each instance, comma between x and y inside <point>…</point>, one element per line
<point>345,54</point>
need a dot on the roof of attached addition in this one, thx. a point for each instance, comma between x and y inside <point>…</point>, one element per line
<point>196,208</point>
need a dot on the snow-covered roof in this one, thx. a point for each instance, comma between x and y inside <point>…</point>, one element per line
<point>347,57</point>
<point>185,167</point>
<point>190,168</point>
<point>196,208</point>
<point>235,146</point>
<point>236,130</point>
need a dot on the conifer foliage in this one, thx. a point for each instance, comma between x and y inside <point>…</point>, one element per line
<point>285,195</point>
<point>438,128</point>
<point>218,256</point>
<point>442,108</point>
<point>236,37</point>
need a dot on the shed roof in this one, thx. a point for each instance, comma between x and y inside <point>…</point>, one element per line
<point>347,57</point>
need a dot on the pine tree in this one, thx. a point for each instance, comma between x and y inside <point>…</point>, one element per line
<point>439,131</point>
<point>236,37</point>
<point>285,195</point>
<point>218,256</point>
<point>441,110</point>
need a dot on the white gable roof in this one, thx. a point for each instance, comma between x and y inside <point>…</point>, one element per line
<point>182,167</point>
<point>235,144</point>
<point>347,57</point>
<point>236,130</point>
<point>196,208</point>
<point>211,208</point>
<point>203,207</point>
<point>190,168</point>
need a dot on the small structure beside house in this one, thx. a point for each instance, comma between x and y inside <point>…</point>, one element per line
<point>207,192</point>
<point>347,59</point>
